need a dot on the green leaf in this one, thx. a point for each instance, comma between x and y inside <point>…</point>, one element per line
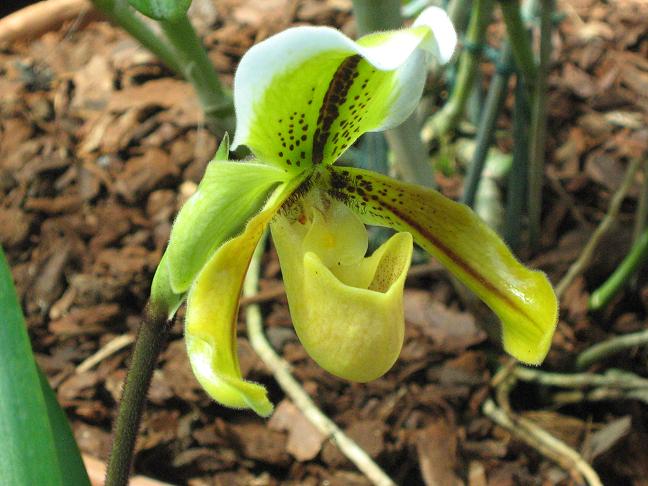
<point>161,9</point>
<point>67,450</point>
<point>30,453</point>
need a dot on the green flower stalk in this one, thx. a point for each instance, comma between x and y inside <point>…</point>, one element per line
<point>302,97</point>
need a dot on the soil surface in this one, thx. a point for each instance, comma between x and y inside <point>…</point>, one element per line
<point>99,147</point>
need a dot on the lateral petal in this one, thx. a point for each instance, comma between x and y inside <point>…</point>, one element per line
<point>212,311</point>
<point>522,298</point>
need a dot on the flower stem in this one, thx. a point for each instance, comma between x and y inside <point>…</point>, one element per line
<point>405,141</point>
<point>539,125</point>
<point>633,260</point>
<point>150,340</point>
<point>120,13</point>
<point>520,40</point>
<point>198,69</point>
<point>494,101</point>
<point>448,117</point>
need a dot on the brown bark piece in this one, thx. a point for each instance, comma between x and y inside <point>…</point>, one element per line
<point>304,439</point>
<point>436,446</point>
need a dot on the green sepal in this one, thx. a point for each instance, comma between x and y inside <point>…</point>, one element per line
<point>161,9</point>
<point>229,194</point>
<point>163,299</point>
<point>223,148</point>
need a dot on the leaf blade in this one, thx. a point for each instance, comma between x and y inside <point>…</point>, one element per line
<point>30,456</point>
<point>161,9</point>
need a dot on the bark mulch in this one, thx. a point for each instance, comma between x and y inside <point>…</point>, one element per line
<point>99,147</point>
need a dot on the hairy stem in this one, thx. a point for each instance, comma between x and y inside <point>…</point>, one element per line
<point>150,340</point>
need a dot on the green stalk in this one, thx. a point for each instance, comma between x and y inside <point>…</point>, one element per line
<point>520,40</point>
<point>411,155</point>
<point>539,125</point>
<point>375,15</point>
<point>641,216</point>
<point>635,258</point>
<point>448,117</point>
<point>488,122</point>
<point>150,340</point>
<point>119,12</point>
<point>459,13</point>
<point>610,347</point>
<point>198,69</point>
<point>517,180</point>
<point>405,141</point>
<point>475,104</point>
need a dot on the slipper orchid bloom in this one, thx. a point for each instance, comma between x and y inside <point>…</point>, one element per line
<point>302,97</point>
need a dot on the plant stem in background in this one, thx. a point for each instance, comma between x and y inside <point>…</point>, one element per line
<point>610,347</point>
<point>374,15</point>
<point>448,117</point>
<point>520,41</point>
<point>405,141</point>
<point>604,226</point>
<point>622,275</point>
<point>517,180</point>
<point>412,158</point>
<point>123,15</point>
<point>488,122</point>
<point>459,13</point>
<point>198,69</point>
<point>150,340</point>
<point>641,216</point>
<point>539,125</point>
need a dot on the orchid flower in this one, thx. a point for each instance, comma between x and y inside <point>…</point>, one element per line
<point>302,97</point>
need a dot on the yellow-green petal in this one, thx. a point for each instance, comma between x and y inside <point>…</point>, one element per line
<point>212,310</point>
<point>306,94</point>
<point>522,298</point>
<point>347,309</point>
